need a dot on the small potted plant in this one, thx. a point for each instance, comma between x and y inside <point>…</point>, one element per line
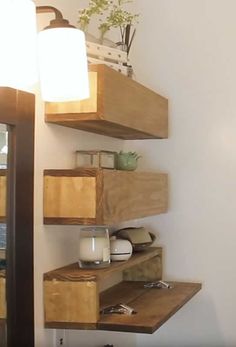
<point>127,161</point>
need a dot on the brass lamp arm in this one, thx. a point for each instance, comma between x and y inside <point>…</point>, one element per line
<point>59,21</point>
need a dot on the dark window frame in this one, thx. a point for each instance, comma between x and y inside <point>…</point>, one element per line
<point>17,111</point>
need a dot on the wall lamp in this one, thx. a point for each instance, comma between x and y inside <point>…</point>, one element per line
<point>57,57</point>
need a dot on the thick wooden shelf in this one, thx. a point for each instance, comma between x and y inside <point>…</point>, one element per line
<point>72,295</point>
<point>153,306</point>
<point>118,107</point>
<point>99,196</point>
<point>74,273</point>
<point>73,301</point>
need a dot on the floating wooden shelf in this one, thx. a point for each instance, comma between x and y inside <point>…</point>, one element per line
<point>71,294</point>
<point>99,196</point>
<point>153,306</point>
<point>118,107</point>
<point>72,299</point>
<point>2,195</point>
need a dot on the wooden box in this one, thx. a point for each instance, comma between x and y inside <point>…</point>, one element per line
<point>102,197</point>
<point>118,106</point>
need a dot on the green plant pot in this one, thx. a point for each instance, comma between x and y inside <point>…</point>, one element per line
<point>126,162</point>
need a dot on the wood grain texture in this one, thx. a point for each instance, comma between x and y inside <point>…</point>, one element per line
<point>101,127</point>
<point>71,301</point>
<point>132,105</point>
<point>73,273</point>
<point>69,197</point>
<point>124,108</point>
<point>70,325</point>
<point>150,270</point>
<point>107,197</point>
<point>154,306</point>
<point>124,292</point>
<point>68,221</point>
<point>2,196</point>
<point>129,195</point>
<point>71,294</point>
<point>84,172</point>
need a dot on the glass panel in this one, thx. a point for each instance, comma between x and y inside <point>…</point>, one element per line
<point>3,230</point>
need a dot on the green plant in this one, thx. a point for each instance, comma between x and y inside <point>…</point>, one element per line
<point>115,17</point>
<point>96,7</point>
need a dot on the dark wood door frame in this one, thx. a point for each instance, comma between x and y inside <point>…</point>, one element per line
<point>17,110</point>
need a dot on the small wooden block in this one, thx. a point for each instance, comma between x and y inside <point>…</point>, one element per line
<point>150,270</point>
<point>71,302</point>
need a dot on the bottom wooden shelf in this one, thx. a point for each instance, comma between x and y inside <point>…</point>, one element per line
<point>153,306</point>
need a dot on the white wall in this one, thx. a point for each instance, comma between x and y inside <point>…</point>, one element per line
<point>186,51</point>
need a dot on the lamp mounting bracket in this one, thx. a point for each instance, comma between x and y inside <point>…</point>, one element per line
<point>58,22</point>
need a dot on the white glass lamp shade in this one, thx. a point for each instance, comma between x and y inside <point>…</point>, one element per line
<point>63,65</point>
<point>18,40</point>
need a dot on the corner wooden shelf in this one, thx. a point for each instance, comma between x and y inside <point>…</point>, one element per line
<point>99,196</point>
<point>118,107</point>
<point>2,195</point>
<point>72,299</point>
<point>71,294</point>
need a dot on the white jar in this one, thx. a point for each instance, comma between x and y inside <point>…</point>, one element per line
<point>120,249</point>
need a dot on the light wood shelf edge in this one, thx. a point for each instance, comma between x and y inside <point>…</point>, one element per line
<point>73,273</point>
<point>143,194</point>
<point>115,108</point>
<point>72,294</point>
